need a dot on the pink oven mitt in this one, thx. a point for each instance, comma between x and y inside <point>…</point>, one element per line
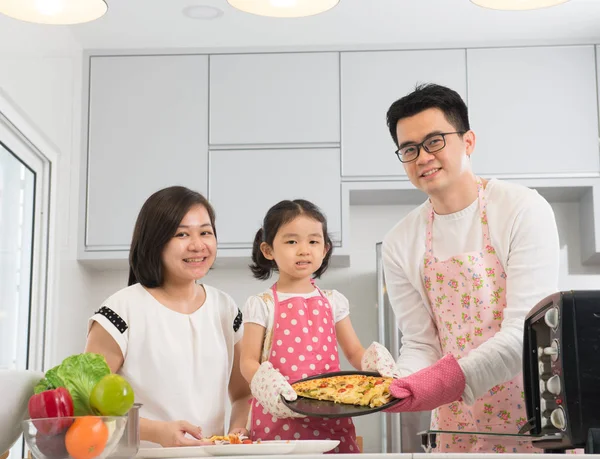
<point>437,385</point>
<point>267,386</point>
<point>378,358</point>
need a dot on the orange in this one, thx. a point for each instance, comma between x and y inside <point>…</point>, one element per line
<point>86,438</point>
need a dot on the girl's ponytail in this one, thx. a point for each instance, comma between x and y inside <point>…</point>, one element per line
<point>261,267</point>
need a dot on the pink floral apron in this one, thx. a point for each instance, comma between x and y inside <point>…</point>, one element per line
<point>303,344</point>
<point>467,294</point>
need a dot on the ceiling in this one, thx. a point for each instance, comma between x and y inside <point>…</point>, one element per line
<point>356,24</point>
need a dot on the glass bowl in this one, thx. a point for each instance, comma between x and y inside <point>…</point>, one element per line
<point>77,437</point>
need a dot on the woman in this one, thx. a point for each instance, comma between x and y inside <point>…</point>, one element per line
<point>175,340</point>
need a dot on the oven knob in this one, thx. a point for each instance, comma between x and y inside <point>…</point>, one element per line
<point>551,317</point>
<point>553,385</point>
<point>558,419</point>
<point>552,351</point>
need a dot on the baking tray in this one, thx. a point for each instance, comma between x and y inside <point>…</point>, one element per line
<point>327,409</point>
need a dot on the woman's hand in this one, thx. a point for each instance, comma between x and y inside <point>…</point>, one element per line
<point>175,433</point>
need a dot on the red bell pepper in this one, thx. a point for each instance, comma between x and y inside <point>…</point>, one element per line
<point>55,403</point>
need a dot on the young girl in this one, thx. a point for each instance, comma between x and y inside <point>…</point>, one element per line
<point>292,330</point>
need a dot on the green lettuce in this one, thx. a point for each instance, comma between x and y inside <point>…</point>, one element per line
<point>78,374</point>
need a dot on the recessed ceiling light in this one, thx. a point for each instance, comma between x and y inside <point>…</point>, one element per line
<point>284,8</point>
<point>59,12</point>
<point>202,12</point>
<point>517,5</point>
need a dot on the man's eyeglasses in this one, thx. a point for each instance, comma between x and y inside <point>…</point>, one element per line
<point>431,144</point>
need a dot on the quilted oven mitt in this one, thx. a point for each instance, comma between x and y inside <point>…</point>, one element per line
<point>378,358</point>
<point>437,385</point>
<point>267,386</point>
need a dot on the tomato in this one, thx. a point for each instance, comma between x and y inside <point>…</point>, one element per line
<point>86,438</point>
<point>323,385</point>
<point>247,442</point>
<point>112,396</point>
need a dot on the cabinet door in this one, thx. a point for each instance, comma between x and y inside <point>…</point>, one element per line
<point>534,110</point>
<point>148,120</point>
<point>371,82</point>
<point>244,184</point>
<point>274,99</point>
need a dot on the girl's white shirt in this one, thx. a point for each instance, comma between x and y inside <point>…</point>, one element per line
<point>260,309</point>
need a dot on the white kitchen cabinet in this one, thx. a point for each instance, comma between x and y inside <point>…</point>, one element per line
<point>274,99</point>
<point>534,110</point>
<point>371,82</point>
<point>147,129</point>
<point>244,184</point>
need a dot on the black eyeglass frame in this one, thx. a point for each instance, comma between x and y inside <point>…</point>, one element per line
<point>422,145</point>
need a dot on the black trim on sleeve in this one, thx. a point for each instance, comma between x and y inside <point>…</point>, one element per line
<point>114,318</point>
<point>237,323</point>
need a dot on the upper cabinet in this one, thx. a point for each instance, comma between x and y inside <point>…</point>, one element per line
<point>244,184</point>
<point>258,99</point>
<point>371,82</point>
<point>147,129</point>
<point>534,110</point>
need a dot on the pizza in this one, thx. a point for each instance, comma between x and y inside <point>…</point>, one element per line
<point>362,390</point>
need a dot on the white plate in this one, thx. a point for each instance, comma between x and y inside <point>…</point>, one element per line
<point>178,452</point>
<point>314,446</point>
<point>255,449</point>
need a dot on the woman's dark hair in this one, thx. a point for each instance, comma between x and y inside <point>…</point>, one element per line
<point>281,213</point>
<point>428,96</point>
<point>156,224</point>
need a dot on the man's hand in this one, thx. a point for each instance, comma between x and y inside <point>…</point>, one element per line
<point>437,385</point>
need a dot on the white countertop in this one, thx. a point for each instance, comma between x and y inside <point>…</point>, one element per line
<point>416,456</point>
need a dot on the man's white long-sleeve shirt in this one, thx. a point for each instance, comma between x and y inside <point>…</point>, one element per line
<point>522,230</point>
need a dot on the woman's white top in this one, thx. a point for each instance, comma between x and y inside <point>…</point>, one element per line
<point>178,365</point>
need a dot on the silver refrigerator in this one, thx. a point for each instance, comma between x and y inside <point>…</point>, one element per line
<point>398,431</point>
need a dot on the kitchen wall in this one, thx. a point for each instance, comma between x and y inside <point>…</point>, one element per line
<point>40,69</point>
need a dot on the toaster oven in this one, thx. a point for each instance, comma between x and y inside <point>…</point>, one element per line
<point>561,371</point>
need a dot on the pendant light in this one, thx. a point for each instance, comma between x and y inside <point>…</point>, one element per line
<point>63,12</point>
<point>284,8</point>
<point>517,5</point>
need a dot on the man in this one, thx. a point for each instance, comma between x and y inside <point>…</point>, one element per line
<point>462,271</point>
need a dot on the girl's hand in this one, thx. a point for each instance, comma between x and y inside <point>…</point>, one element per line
<point>378,358</point>
<point>268,385</point>
<point>173,433</point>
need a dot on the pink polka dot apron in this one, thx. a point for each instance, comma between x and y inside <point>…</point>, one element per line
<point>303,344</point>
<point>467,294</point>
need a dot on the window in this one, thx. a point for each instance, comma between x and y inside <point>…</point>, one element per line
<point>26,243</point>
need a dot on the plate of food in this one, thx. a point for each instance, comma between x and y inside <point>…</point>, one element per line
<point>342,394</point>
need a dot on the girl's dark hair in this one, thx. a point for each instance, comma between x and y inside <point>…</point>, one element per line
<point>156,224</point>
<point>281,213</point>
<point>424,97</point>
